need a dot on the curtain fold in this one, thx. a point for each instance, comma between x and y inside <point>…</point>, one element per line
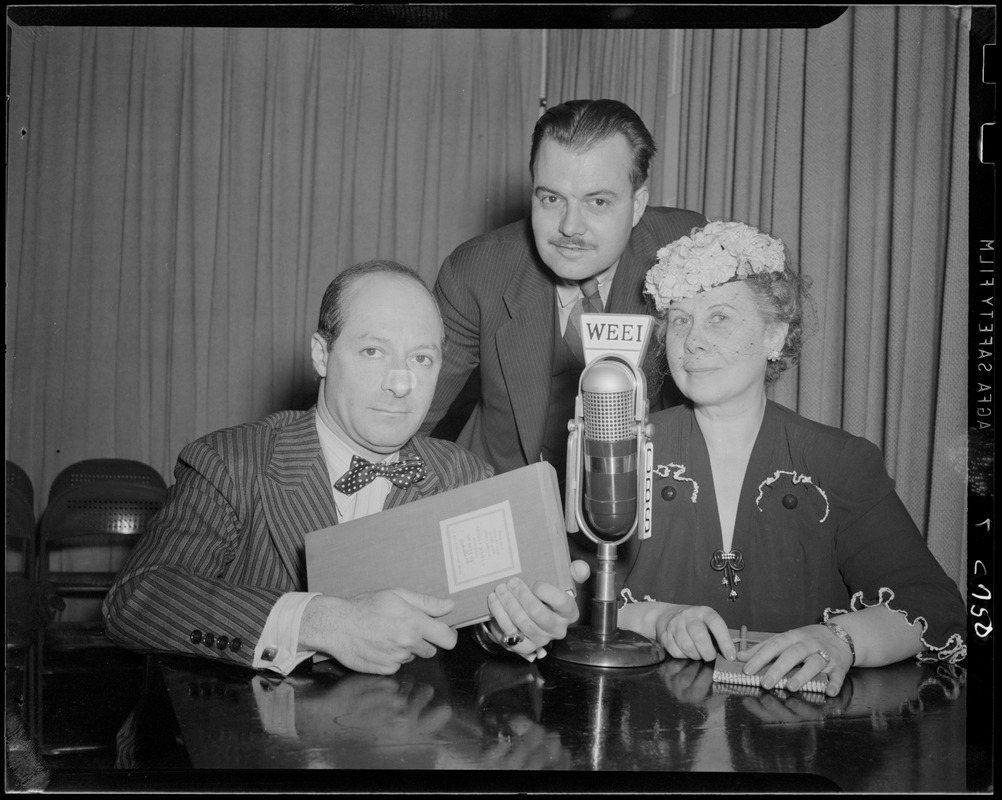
<point>178,200</point>
<point>636,67</point>
<point>854,152</point>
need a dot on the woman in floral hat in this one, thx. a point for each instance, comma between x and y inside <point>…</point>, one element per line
<point>763,518</point>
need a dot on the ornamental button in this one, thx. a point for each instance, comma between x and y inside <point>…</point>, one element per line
<point>235,644</point>
<point>668,493</point>
<point>195,636</point>
<point>789,501</point>
<point>222,641</point>
<point>208,639</point>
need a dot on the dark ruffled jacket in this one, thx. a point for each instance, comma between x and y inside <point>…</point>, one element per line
<point>819,525</point>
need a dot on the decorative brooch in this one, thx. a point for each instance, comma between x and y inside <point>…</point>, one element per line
<point>730,563</point>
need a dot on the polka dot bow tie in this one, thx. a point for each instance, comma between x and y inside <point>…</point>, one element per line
<point>362,473</point>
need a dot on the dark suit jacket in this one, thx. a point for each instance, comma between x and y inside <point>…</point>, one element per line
<point>230,538</point>
<point>497,301</point>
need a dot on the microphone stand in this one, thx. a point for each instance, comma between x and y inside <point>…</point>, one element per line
<point>603,643</point>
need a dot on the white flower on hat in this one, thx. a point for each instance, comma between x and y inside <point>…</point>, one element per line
<point>710,256</point>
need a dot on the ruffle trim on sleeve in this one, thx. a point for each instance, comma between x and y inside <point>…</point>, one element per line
<point>953,652</point>
<point>628,598</point>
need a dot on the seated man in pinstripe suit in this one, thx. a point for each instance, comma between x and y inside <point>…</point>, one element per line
<point>221,572</point>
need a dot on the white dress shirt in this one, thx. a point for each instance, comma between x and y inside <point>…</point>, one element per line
<point>277,648</point>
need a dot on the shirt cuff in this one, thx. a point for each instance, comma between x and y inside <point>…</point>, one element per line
<point>277,649</point>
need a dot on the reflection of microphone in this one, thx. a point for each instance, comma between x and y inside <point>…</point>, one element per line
<point>610,444</point>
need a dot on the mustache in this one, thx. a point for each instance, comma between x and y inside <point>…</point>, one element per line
<point>561,241</point>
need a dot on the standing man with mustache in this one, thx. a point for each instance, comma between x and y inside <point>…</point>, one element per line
<point>510,297</point>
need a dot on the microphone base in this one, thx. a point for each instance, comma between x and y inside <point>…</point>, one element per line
<point>620,649</point>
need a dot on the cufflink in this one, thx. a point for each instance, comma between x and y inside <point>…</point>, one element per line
<point>268,654</point>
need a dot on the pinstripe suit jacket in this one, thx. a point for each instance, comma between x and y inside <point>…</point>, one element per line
<point>498,302</point>
<point>229,540</point>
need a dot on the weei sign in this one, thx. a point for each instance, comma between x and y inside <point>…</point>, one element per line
<point>623,335</point>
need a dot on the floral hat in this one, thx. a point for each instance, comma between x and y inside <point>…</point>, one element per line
<point>715,254</point>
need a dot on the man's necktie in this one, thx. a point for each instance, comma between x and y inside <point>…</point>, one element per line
<point>589,303</point>
<point>362,473</point>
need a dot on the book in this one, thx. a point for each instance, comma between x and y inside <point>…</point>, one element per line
<point>731,672</point>
<point>458,544</point>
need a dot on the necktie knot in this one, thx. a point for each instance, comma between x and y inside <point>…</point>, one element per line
<point>363,472</point>
<point>592,297</point>
<point>589,303</point>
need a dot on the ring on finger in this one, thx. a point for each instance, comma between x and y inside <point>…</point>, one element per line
<point>512,639</point>
<point>824,655</point>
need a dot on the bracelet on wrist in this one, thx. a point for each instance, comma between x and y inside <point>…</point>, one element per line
<point>842,634</point>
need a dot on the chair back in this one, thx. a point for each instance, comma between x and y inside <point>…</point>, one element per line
<point>105,470</point>
<point>96,513</point>
<point>18,481</point>
<point>19,535</point>
<point>85,534</point>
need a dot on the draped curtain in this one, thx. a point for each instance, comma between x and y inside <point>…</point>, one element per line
<point>637,67</point>
<point>180,198</point>
<point>850,143</point>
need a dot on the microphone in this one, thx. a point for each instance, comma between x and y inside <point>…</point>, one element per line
<point>609,444</point>
<point>609,398</point>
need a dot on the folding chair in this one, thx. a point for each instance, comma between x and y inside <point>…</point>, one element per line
<point>18,481</point>
<point>84,682</point>
<point>105,470</point>
<point>27,607</point>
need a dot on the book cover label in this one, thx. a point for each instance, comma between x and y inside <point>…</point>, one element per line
<point>480,547</point>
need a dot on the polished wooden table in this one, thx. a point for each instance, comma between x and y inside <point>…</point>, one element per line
<point>554,726</point>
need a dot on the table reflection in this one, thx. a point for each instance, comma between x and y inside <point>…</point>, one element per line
<point>892,728</point>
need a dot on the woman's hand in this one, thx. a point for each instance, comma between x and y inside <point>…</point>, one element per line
<point>690,631</point>
<point>539,614</point>
<point>805,646</point>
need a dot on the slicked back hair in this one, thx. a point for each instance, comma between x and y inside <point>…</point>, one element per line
<point>581,124</point>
